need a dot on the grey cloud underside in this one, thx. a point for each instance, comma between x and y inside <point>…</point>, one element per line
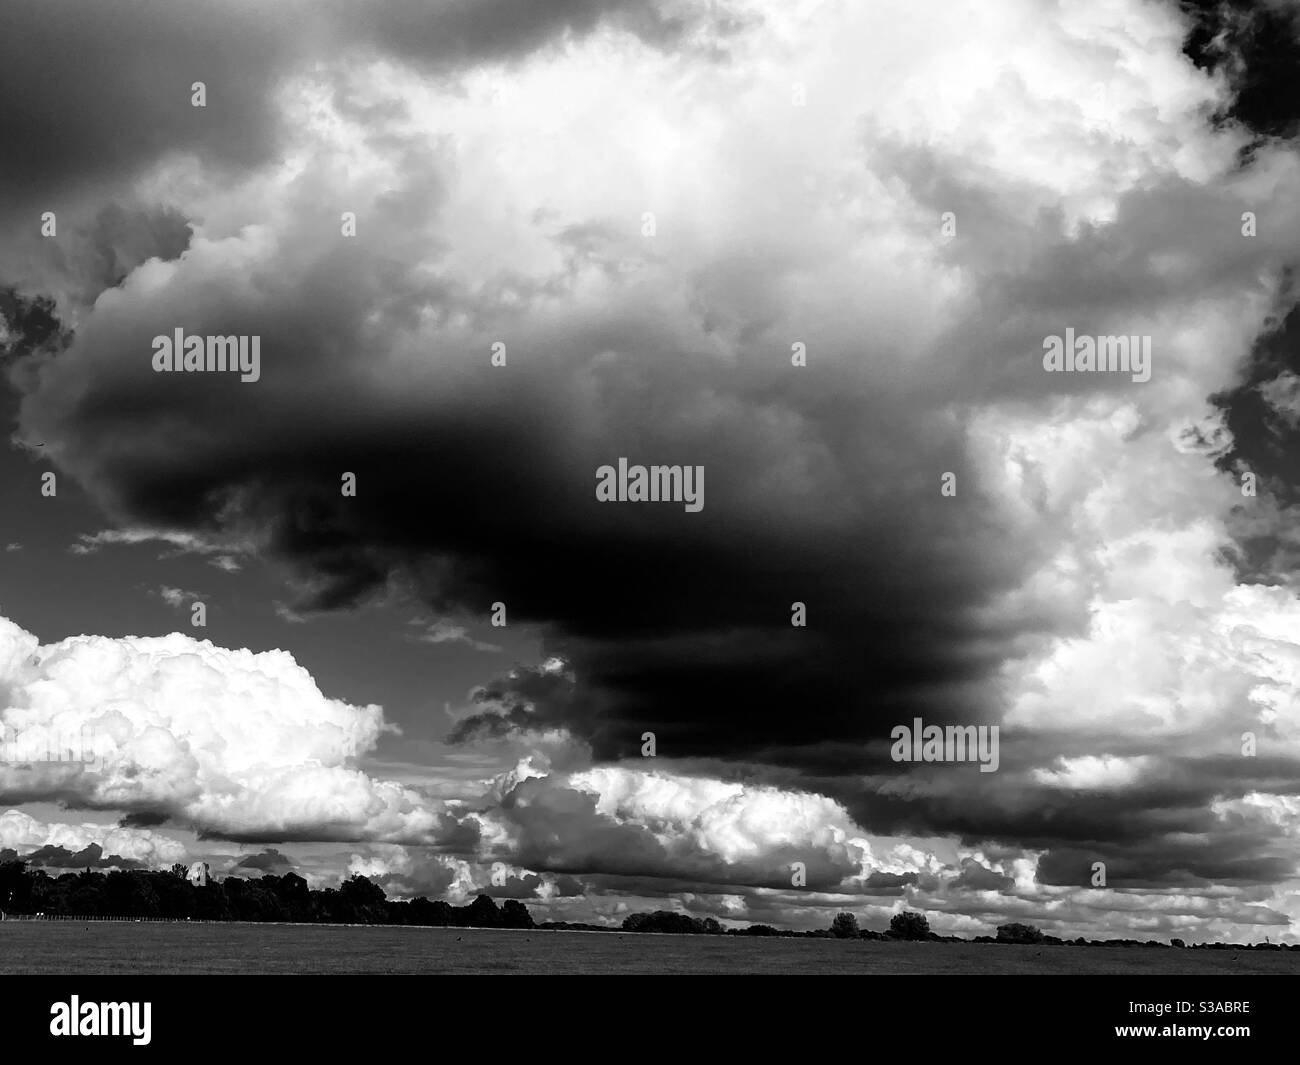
<point>677,623</point>
<point>267,861</point>
<point>69,118</point>
<point>452,835</point>
<point>89,857</point>
<point>1267,446</point>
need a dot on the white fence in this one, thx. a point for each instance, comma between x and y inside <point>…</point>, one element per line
<point>73,917</point>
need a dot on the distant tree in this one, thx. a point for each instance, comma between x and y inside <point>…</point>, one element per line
<point>15,887</point>
<point>482,913</point>
<point>294,895</point>
<point>332,906</point>
<point>88,898</point>
<point>182,871</point>
<point>1177,943</point>
<point>168,894</point>
<point>514,914</point>
<point>710,927</point>
<point>175,894</point>
<point>1019,933</point>
<point>663,921</point>
<point>909,925</point>
<point>212,904</point>
<point>129,895</point>
<point>255,901</point>
<point>366,898</point>
<point>845,926</point>
<point>434,914</point>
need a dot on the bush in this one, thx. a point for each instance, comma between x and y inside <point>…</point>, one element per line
<point>1019,933</point>
<point>909,925</point>
<point>514,914</point>
<point>845,926</point>
<point>663,921</point>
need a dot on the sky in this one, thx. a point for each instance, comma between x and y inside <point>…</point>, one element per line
<point>813,247</point>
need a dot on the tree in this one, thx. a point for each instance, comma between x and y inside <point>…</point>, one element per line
<point>436,914</point>
<point>514,914</point>
<point>663,921</point>
<point>1019,933</point>
<point>15,887</point>
<point>293,893</point>
<point>128,895</point>
<point>845,926</point>
<point>365,897</point>
<point>909,925</point>
<point>174,893</point>
<point>482,913</point>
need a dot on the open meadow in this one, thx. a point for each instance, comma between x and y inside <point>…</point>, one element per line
<point>31,947</point>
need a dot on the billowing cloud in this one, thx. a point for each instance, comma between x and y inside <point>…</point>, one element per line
<point>86,845</point>
<point>236,744</point>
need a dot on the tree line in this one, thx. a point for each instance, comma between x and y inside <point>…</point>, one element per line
<point>908,925</point>
<point>358,900</point>
<point>170,894</point>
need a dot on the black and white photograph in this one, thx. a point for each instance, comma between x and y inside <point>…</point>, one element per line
<point>650,488</point>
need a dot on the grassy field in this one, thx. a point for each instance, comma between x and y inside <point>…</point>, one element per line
<point>106,948</point>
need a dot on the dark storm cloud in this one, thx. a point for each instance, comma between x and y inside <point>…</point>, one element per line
<point>568,887</point>
<point>889,883</point>
<point>489,30</point>
<point>29,324</point>
<point>674,622</point>
<point>143,819</point>
<point>90,92</point>
<point>450,834</point>
<point>977,877</point>
<point>1238,861</point>
<point>1150,823</point>
<point>1257,45</point>
<point>1264,443</point>
<point>89,857</point>
<point>268,861</point>
<point>121,238</point>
